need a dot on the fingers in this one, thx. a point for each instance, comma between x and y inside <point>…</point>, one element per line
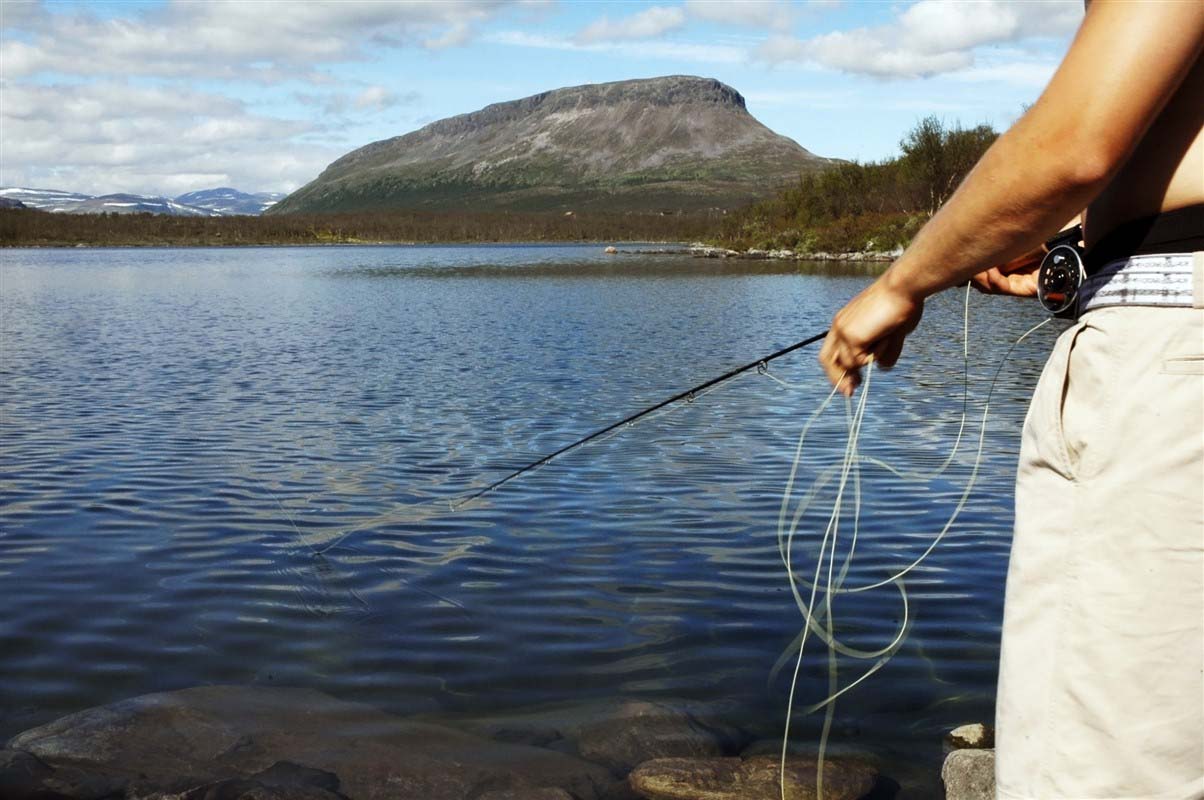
<point>842,363</point>
<point>828,360</point>
<point>998,281</point>
<point>872,325</point>
<point>887,353</point>
<point>981,282</point>
<point>1023,285</point>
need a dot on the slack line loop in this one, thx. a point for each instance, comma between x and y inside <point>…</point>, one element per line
<point>689,395</point>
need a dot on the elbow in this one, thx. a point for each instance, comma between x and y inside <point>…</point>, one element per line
<point>1093,164</point>
<point>1091,169</point>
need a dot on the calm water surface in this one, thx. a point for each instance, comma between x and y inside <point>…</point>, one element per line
<point>181,430</point>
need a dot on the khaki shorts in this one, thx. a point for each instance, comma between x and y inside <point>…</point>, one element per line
<point>1101,684</point>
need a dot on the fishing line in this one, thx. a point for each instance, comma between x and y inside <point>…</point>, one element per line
<point>666,406</point>
<point>688,395</point>
<point>821,621</point>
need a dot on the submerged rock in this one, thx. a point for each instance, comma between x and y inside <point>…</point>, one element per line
<point>969,775</point>
<point>622,733</point>
<point>802,747</point>
<point>757,778</point>
<point>198,739</point>
<point>281,781</point>
<point>640,730</point>
<point>21,774</point>
<point>24,776</point>
<point>526,794</point>
<point>976,736</point>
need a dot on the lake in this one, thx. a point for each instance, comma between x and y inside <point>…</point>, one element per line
<point>183,431</point>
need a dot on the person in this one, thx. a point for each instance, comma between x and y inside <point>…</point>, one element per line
<point>1101,685</point>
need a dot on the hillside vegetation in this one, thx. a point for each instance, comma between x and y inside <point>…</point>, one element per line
<point>853,207</point>
<point>30,228</point>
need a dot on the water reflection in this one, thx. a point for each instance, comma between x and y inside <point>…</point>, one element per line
<point>183,432</point>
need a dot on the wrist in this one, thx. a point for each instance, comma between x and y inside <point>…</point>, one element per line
<point>902,282</point>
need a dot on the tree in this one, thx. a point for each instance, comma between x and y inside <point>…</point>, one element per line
<point>936,159</point>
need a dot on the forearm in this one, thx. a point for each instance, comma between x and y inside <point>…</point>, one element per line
<point>1009,204</point>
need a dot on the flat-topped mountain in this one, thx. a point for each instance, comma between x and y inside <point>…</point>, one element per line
<point>657,144</point>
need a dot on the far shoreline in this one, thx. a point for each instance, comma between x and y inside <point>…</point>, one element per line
<point>613,247</point>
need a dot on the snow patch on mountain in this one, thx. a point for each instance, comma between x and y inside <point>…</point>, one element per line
<point>220,202</point>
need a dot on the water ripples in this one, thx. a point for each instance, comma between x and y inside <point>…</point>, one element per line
<point>234,466</point>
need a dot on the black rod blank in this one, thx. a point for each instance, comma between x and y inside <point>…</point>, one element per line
<point>687,394</point>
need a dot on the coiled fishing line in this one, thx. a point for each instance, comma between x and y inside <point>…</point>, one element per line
<point>820,620</point>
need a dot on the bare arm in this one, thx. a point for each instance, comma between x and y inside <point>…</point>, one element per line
<point>1124,65</point>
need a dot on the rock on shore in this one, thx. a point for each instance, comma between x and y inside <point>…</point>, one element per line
<point>196,740</point>
<point>757,778</point>
<point>271,743</point>
<point>969,775</point>
<point>707,251</point>
<point>975,736</point>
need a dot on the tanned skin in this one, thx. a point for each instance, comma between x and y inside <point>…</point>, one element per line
<point>1117,131</point>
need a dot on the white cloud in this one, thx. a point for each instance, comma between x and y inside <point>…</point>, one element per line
<point>928,38</point>
<point>798,98</point>
<point>377,98</point>
<point>371,99</point>
<point>101,130</point>
<point>646,24</point>
<point>17,13</point>
<point>1032,74</point>
<point>669,51</point>
<point>773,14</point>
<point>110,136</point>
<point>269,40</point>
<point>859,51</point>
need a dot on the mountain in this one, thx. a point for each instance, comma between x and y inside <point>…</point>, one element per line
<point>45,199</point>
<point>137,204</point>
<point>227,201</point>
<point>206,203</point>
<point>673,143</point>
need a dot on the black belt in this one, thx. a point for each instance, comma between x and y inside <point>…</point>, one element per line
<point>1178,231</point>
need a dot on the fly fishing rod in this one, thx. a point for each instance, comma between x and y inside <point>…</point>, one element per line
<point>687,395</point>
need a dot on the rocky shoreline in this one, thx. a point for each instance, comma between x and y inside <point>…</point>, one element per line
<point>699,250</point>
<point>273,743</point>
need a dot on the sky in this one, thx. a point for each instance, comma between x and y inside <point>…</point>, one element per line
<point>170,97</point>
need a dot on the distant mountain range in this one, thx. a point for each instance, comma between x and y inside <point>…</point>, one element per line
<point>227,201</point>
<point>672,143</point>
<point>219,202</point>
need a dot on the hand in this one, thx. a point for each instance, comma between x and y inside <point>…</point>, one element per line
<point>1017,277</point>
<point>871,326</point>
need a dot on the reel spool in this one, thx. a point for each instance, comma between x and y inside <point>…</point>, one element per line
<point>1061,275</point>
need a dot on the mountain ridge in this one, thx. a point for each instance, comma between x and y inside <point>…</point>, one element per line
<point>221,201</point>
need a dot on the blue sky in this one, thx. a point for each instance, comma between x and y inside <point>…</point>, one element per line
<point>168,97</point>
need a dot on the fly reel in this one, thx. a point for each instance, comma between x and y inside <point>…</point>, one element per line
<point>1062,274</point>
